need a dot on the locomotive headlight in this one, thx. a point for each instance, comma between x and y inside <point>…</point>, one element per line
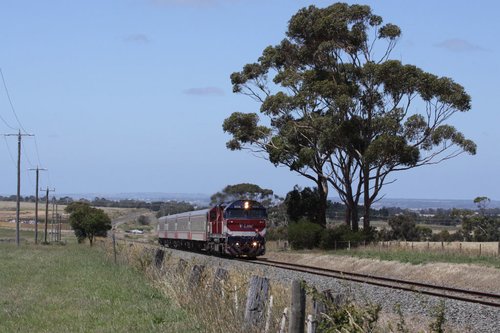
<point>237,244</point>
<point>246,205</point>
<point>254,244</point>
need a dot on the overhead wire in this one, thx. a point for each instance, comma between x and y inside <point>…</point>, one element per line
<point>10,102</point>
<point>25,154</point>
<point>37,152</point>
<point>10,153</point>
<point>7,124</point>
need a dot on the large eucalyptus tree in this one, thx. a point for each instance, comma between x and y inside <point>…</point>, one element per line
<point>340,111</point>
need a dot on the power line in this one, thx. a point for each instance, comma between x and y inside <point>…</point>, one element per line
<point>7,124</point>
<point>10,102</point>
<point>8,149</point>
<point>27,158</point>
<point>37,153</point>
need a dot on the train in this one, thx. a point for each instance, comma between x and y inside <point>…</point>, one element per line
<point>235,229</point>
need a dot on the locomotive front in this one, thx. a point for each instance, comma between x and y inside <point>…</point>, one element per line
<point>245,222</point>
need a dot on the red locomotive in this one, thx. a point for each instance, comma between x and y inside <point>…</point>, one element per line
<point>236,229</point>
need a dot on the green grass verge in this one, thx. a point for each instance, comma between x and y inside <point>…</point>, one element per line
<point>24,235</point>
<point>417,257</point>
<point>75,288</point>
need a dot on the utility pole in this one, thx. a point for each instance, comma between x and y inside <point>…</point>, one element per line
<point>58,225</point>
<point>18,201</point>
<point>46,211</point>
<point>36,203</point>
<point>53,217</point>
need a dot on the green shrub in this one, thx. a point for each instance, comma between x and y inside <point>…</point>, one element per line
<point>340,236</point>
<point>275,233</point>
<point>304,234</point>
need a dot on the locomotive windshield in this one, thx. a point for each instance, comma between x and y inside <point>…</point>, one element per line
<point>245,213</point>
<point>245,209</point>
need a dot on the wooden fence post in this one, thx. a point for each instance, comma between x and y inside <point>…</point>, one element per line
<point>297,308</point>
<point>256,300</point>
<point>283,320</point>
<point>114,246</point>
<point>498,250</point>
<point>181,266</point>
<point>195,276</point>
<point>268,317</point>
<point>311,328</point>
<point>220,277</point>
<point>159,256</point>
<point>479,249</point>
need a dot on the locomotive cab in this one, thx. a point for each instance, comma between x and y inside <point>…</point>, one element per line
<point>245,225</point>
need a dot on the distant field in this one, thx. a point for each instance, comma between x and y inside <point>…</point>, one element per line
<point>27,214</point>
<point>74,288</point>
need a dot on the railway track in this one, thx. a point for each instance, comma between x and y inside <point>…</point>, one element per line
<point>465,295</point>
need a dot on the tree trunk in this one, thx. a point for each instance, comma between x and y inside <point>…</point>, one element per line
<point>323,197</point>
<point>347,218</point>
<point>367,201</point>
<point>355,218</point>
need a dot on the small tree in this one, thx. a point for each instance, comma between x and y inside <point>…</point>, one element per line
<point>243,191</point>
<point>478,226</point>
<point>404,227</point>
<point>87,222</point>
<point>143,220</point>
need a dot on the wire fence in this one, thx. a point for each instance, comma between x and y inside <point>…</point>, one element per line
<point>466,248</point>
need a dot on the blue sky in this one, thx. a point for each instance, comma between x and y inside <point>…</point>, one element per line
<point>130,95</point>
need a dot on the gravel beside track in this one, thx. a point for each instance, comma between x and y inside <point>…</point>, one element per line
<point>461,316</point>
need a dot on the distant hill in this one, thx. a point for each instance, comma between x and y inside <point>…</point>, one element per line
<point>204,199</point>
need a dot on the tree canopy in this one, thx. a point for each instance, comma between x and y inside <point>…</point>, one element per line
<point>303,203</point>
<point>340,112</point>
<point>87,222</point>
<point>243,191</point>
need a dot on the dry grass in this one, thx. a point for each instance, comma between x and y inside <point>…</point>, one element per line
<point>216,312</point>
<point>223,312</point>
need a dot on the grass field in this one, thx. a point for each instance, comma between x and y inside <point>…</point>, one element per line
<point>74,288</point>
<point>421,257</point>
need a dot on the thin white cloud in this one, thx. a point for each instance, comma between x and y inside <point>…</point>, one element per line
<point>459,45</point>
<point>206,91</point>
<point>137,38</point>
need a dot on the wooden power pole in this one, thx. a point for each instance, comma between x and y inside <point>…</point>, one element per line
<point>18,201</point>
<point>46,211</point>
<point>36,203</point>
